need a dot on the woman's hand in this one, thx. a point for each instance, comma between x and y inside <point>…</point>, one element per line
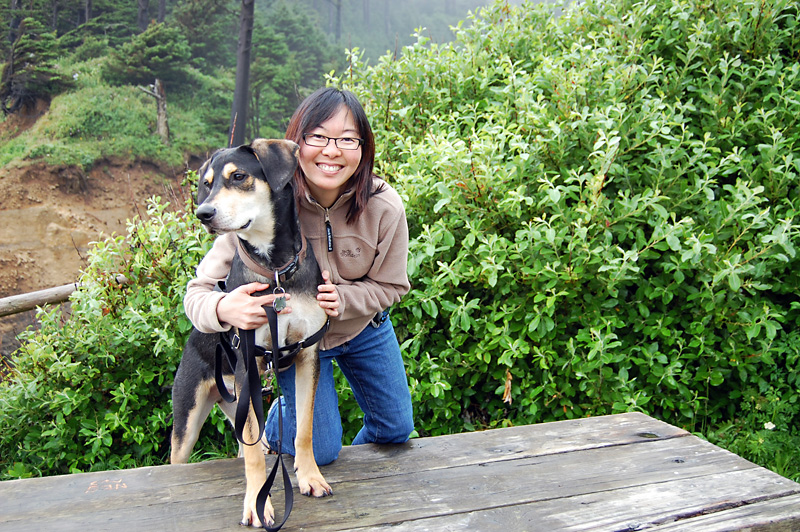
<point>243,310</point>
<point>327,295</point>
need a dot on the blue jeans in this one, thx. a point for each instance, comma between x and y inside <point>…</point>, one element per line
<point>373,365</point>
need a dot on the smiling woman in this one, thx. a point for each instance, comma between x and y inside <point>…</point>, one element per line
<point>356,226</point>
<point>327,165</point>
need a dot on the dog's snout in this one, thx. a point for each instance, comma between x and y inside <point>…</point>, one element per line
<point>206,213</point>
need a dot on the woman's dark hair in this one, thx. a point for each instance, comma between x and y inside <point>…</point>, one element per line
<point>312,112</point>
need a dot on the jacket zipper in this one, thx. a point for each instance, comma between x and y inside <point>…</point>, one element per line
<point>328,231</point>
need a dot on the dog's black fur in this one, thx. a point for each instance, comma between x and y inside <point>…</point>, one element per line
<point>248,191</point>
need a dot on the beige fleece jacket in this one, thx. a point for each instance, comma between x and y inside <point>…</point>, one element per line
<point>367,264</point>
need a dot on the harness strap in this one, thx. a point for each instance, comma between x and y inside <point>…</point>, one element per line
<point>288,491</point>
<point>226,345</point>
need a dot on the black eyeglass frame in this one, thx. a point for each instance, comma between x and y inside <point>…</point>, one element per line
<point>334,139</point>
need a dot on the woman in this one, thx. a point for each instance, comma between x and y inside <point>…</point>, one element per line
<point>356,225</point>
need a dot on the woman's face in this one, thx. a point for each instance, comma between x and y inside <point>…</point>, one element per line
<point>328,169</point>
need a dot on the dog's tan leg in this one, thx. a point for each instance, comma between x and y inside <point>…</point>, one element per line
<point>309,478</point>
<point>255,470</point>
<point>186,430</point>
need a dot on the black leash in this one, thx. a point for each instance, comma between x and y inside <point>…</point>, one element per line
<point>288,492</point>
<point>251,394</point>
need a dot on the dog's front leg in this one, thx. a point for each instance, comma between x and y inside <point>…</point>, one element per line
<point>309,478</point>
<point>255,469</point>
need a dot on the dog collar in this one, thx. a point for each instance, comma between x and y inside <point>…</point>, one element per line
<point>279,274</point>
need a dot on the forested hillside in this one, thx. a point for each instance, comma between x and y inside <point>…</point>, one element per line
<point>603,210</point>
<point>102,57</point>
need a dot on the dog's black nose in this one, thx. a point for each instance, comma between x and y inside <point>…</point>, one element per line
<point>206,213</point>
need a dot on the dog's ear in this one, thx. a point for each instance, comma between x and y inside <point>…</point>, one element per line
<point>278,159</point>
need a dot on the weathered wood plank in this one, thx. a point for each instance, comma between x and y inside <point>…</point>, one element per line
<point>563,477</point>
<point>367,461</point>
<point>671,505</point>
<point>623,472</point>
<point>770,515</point>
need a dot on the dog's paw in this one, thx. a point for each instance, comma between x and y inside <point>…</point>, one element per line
<point>314,485</point>
<point>250,516</point>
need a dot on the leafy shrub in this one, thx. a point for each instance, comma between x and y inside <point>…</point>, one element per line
<point>91,391</point>
<point>603,211</point>
<point>100,121</point>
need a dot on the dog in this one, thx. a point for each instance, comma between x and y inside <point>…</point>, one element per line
<point>248,191</point>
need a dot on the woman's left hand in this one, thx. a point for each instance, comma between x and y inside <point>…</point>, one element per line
<point>327,296</point>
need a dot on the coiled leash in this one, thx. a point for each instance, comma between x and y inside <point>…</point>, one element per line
<point>281,357</point>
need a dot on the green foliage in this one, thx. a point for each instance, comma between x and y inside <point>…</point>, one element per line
<point>95,122</point>
<point>160,51</point>
<point>91,391</point>
<point>290,56</point>
<point>211,29</point>
<point>31,73</point>
<point>603,214</point>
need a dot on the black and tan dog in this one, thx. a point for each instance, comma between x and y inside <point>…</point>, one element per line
<point>248,191</point>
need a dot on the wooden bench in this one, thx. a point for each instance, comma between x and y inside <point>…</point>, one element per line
<point>624,472</point>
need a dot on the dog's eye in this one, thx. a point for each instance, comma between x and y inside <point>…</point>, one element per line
<point>206,183</point>
<point>238,176</point>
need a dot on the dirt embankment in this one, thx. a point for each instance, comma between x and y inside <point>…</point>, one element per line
<point>50,215</point>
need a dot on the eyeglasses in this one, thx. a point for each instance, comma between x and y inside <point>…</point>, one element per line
<point>343,143</point>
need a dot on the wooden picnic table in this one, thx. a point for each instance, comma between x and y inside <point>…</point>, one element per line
<point>624,472</point>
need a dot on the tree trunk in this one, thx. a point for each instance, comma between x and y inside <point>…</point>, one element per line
<point>242,89</point>
<point>14,21</point>
<point>338,21</point>
<point>162,126</point>
<point>144,14</point>
<point>87,10</point>
<point>162,10</point>
<point>54,22</point>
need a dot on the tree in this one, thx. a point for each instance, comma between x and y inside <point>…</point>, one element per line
<point>159,52</point>
<point>156,90</point>
<point>30,73</point>
<point>240,93</point>
<point>290,57</point>
<point>212,46</point>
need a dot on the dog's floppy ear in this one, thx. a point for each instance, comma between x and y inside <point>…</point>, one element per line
<point>278,159</point>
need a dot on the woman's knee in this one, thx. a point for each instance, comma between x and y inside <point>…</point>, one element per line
<point>325,454</point>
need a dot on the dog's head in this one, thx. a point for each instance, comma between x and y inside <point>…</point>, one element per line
<point>239,187</point>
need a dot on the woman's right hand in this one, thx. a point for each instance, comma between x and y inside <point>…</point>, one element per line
<point>243,310</point>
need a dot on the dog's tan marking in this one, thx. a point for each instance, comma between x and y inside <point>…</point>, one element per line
<point>230,169</point>
<point>209,176</point>
<point>204,398</point>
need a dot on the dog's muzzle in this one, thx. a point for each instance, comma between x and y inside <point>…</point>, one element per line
<point>206,213</point>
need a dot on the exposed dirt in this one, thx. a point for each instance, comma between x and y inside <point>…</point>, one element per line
<point>50,215</point>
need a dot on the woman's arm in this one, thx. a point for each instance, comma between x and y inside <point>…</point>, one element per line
<point>211,310</point>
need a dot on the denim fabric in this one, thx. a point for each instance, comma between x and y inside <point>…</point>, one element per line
<point>373,365</point>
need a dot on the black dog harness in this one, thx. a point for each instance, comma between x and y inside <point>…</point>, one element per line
<point>279,358</point>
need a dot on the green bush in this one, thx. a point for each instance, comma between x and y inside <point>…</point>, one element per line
<point>100,121</point>
<point>92,391</point>
<point>603,211</point>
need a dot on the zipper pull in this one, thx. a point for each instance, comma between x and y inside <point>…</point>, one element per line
<point>328,231</point>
